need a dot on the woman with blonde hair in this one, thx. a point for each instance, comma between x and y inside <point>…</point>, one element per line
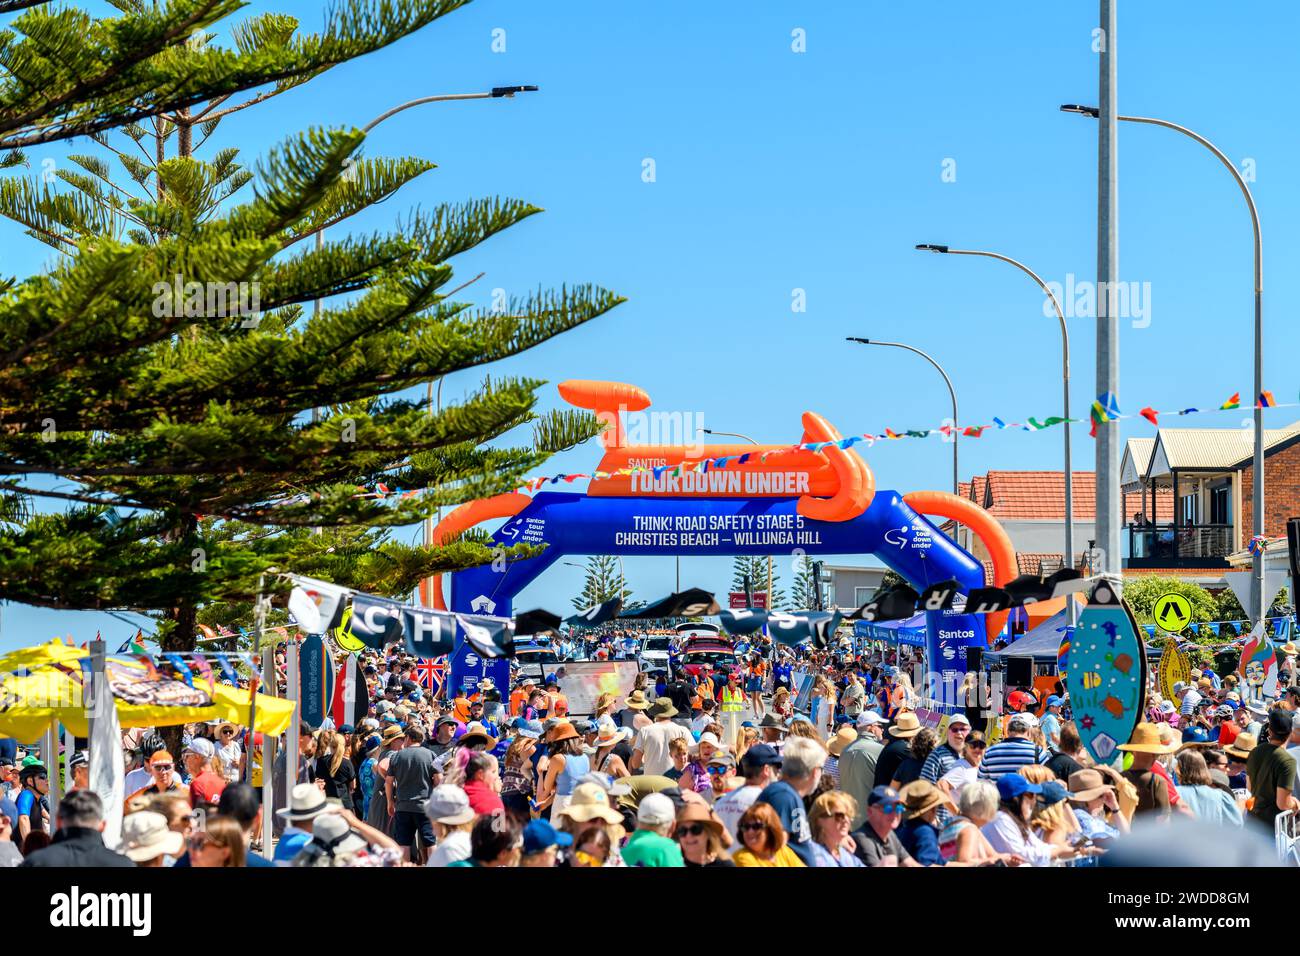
<point>333,767</point>
<point>830,820</point>
<point>604,706</point>
<point>961,843</point>
<point>802,727</point>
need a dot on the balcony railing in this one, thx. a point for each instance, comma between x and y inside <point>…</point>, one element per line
<point>1203,545</point>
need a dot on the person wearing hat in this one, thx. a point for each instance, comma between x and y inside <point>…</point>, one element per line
<point>443,737</point>
<point>1146,745</point>
<point>567,764</point>
<point>306,803</point>
<point>899,748</point>
<point>722,776</point>
<point>79,764</point>
<point>1271,771</point>
<point>760,766</point>
<point>650,845</point>
<point>1010,831</point>
<point>1237,755</point>
<point>835,749</point>
<point>452,817</point>
<point>857,763</point>
<point>1014,751</point>
<point>650,748</point>
<point>919,832</point>
<point>542,843</point>
<point>948,753</point>
<point>772,729</point>
<point>702,837</point>
<point>477,737</point>
<point>876,843</point>
<point>589,809</point>
<point>146,839</point>
<point>1051,722</point>
<point>608,737</point>
<point>633,716</point>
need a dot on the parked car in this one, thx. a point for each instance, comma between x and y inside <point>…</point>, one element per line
<point>654,653</point>
<point>717,653</point>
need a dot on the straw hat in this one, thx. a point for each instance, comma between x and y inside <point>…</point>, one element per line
<point>306,802</point>
<point>608,735</point>
<point>637,700</point>
<point>589,802</point>
<point>921,796</point>
<point>905,725</point>
<point>603,701</point>
<point>842,739</point>
<point>1147,739</point>
<point>476,733</point>
<point>1242,746</point>
<point>702,813</point>
<point>391,733</point>
<point>1087,785</point>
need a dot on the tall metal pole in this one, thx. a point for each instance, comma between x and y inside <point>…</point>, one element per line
<point>952,393</point>
<point>711,431</point>
<point>1065,389</point>
<point>1109,497</point>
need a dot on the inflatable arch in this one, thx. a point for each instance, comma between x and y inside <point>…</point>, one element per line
<point>773,499</point>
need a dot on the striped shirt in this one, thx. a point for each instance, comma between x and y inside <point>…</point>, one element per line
<point>942,759</point>
<point>1008,756</point>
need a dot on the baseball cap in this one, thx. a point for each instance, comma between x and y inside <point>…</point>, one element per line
<point>1280,722</point>
<point>200,746</point>
<point>79,759</point>
<point>869,717</point>
<point>759,755</point>
<point>722,758</point>
<point>882,794</point>
<point>1021,722</point>
<point>1012,785</point>
<point>959,718</point>
<point>656,810</point>
<point>1055,701</point>
<point>1180,686</point>
<point>539,835</point>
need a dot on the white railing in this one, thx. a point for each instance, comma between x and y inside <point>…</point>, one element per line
<point>1286,833</point>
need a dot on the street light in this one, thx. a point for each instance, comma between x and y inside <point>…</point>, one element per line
<point>1065,386</point>
<point>947,381</point>
<point>1257,584</point>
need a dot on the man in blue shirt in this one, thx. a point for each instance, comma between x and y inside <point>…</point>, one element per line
<point>1051,723</point>
<point>801,771</point>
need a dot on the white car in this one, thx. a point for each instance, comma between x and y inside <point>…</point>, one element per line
<point>654,654</point>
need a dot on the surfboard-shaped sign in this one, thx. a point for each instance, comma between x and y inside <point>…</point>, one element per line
<point>1107,669</point>
<point>349,703</point>
<point>316,680</point>
<point>1174,668</point>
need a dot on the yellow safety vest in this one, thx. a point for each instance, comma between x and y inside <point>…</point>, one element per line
<point>732,701</point>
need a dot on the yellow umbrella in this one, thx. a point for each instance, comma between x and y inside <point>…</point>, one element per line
<point>54,652</point>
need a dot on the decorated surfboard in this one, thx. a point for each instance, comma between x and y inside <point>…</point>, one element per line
<point>1107,669</point>
<point>1174,668</point>
<point>316,677</point>
<point>350,701</point>
<point>1063,659</point>
<point>1258,667</point>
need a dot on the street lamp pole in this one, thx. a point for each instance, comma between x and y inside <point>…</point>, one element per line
<point>952,393</point>
<point>1257,489</point>
<point>1065,387</point>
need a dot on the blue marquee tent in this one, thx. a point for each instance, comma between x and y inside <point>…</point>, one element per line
<point>909,631</point>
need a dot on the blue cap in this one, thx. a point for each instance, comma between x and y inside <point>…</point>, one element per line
<point>883,794</point>
<point>1054,792</point>
<point>531,729</point>
<point>347,729</point>
<point>759,755</point>
<point>550,679</point>
<point>747,723</point>
<point>539,835</point>
<point>1012,786</point>
<point>1055,701</point>
<point>1196,735</point>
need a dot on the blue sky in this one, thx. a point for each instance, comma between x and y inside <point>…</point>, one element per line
<point>820,170</point>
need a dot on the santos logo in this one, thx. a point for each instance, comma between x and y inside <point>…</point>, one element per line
<point>76,909</point>
<point>954,635</point>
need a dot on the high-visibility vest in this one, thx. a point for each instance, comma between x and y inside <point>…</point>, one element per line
<point>732,700</point>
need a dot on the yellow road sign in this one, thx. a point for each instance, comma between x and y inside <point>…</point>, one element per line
<point>344,637</point>
<point>1172,612</point>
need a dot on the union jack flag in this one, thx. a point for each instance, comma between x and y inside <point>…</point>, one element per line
<point>430,674</point>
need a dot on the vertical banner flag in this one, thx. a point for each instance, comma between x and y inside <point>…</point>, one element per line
<point>351,701</point>
<point>315,605</point>
<point>1258,667</point>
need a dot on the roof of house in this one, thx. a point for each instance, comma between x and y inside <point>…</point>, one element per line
<point>963,489</point>
<point>1039,495</point>
<point>977,486</point>
<point>1212,449</point>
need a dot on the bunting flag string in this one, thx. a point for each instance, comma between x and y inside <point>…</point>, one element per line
<point>1281,628</point>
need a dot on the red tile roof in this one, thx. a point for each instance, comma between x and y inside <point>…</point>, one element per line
<point>977,486</point>
<point>1039,495</point>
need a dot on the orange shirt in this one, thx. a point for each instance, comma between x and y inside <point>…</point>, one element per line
<point>460,709</point>
<point>517,701</point>
<point>559,705</point>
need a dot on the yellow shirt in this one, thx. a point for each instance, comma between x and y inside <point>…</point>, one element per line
<point>784,857</point>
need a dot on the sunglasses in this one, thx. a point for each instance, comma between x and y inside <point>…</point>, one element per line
<point>691,829</point>
<point>752,826</point>
<point>197,842</point>
<point>891,808</point>
<point>227,733</point>
<point>162,766</point>
<point>718,771</point>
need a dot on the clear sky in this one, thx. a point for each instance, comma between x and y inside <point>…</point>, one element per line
<point>778,170</point>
